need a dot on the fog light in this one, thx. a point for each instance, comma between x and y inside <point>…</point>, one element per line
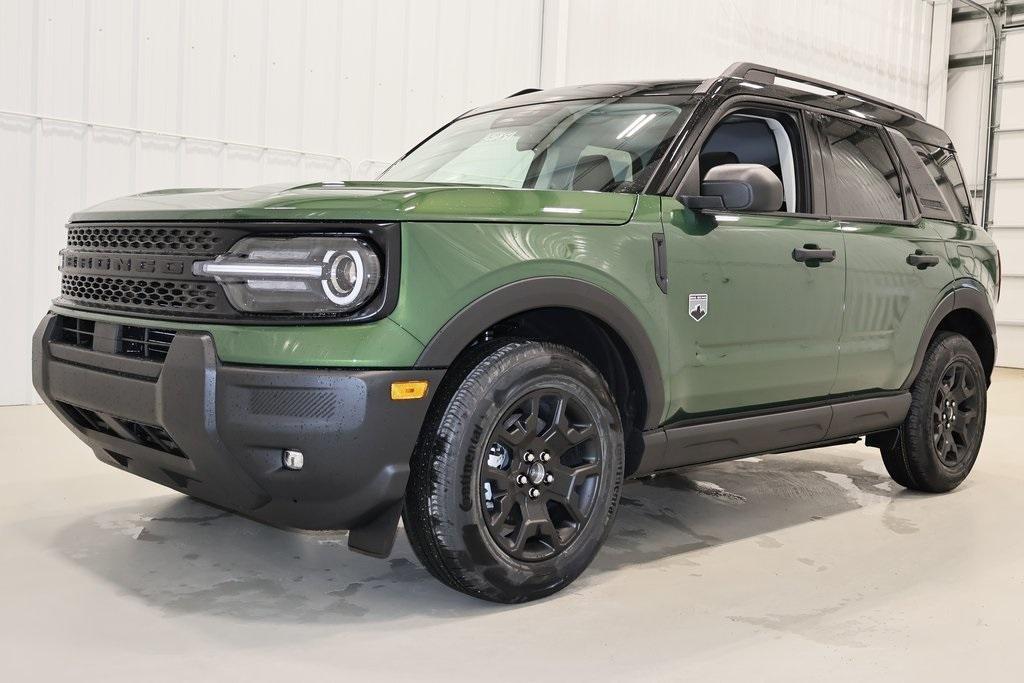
<point>292,460</point>
<point>407,391</point>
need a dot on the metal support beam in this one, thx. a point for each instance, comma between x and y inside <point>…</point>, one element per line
<point>963,61</point>
<point>993,114</point>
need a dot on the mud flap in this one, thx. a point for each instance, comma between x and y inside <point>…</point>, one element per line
<point>377,537</point>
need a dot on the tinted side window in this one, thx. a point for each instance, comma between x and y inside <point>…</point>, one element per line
<point>769,138</point>
<point>956,178</point>
<point>866,183</point>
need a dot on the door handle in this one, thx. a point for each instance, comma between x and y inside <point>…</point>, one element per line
<point>812,255</point>
<point>921,260</point>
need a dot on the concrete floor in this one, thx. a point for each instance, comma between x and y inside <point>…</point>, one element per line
<point>786,567</point>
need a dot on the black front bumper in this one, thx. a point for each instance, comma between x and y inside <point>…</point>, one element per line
<point>217,431</point>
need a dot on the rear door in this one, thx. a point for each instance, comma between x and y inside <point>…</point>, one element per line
<point>896,262</point>
<point>751,325</point>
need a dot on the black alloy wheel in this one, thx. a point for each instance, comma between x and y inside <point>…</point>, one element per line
<point>541,474</point>
<point>938,443</point>
<point>955,413</point>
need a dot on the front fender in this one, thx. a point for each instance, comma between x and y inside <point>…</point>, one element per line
<point>458,279</point>
<point>551,292</point>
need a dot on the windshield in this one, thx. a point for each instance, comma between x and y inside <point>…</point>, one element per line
<point>596,145</point>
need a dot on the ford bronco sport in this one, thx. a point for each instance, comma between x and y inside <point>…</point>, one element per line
<point>552,293</point>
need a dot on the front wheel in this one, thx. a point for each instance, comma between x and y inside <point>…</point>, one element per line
<point>938,443</point>
<point>516,478</point>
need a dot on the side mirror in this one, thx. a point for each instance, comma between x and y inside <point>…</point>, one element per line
<point>738,187</point>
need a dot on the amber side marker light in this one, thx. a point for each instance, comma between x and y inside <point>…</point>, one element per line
<point>409,391</point>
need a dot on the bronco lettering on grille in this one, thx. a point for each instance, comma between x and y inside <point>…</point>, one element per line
<point>99,263</point>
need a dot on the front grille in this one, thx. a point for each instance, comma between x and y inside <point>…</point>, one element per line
<point>146,268</point>
<point>75,331</point>
<point>146,342</point>
<point>86,419</point>
<point>151,436</point>
<point>140,293</point>
<point>149,343</point>
<point>165,239</point>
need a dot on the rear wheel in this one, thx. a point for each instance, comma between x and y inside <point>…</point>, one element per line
<point>516,478</point>
<point>939,441</point>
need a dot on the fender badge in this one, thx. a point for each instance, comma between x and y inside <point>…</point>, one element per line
<point>698,306</point>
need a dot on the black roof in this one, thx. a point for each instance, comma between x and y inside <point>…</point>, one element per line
<point>592,91</point>
<point>748,78</point>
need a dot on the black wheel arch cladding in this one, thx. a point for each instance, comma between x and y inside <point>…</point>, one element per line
<point>965,309</point>
<point>553,292</point>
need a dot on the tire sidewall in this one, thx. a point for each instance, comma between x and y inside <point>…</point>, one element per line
<point>937,475</point>
<point>527,368</point>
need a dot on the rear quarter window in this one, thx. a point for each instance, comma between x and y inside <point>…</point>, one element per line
<point>944,169</point>
<point>933,202</point>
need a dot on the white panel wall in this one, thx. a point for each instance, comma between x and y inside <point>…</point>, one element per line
<point>878,46</point>
<point>104,98</point>
<point>1008,201</point>
<point>966,120</point>
<point>100,98</point>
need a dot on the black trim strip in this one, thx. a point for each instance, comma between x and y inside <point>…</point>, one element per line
<point>97,360</point>
<point>660,262</point>
<point>793,429</point>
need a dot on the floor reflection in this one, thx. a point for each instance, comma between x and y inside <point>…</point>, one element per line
<point>184,557</point>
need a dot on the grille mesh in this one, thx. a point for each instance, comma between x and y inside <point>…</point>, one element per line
<point>75,331</point>
<point>151,436</point>
<point>90,246</point>
<point>178,295</point>
<point>146,342</point>
<point>146,239</point>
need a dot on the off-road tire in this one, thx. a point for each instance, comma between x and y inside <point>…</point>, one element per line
<point>445,507</point>
<point>918,458</point>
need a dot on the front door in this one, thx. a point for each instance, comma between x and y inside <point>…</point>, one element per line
<point>756,298</point>
<point>750,324</point>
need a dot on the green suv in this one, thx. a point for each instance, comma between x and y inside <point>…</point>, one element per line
<point>551,294</point>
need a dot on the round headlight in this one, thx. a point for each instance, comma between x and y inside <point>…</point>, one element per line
<point>347,275</point>
<point>305,275</point>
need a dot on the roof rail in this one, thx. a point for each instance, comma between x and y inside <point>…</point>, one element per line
<point>524,91</point>
<point>765,74</point>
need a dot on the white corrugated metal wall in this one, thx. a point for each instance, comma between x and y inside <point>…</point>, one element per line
<point>104,98</point>
<point>878,46</point>
<point>100,98</point>
<point>1008,202</point>
<point>966,120</point>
